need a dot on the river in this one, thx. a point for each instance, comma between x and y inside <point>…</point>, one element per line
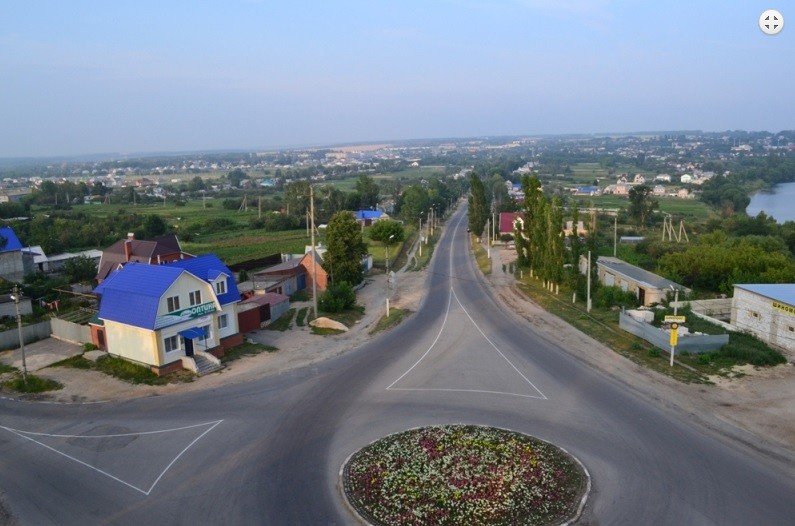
<point>780,203</point>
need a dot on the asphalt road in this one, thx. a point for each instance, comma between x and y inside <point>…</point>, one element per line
<point>270,451</point>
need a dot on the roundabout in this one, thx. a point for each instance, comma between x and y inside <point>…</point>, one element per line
<point>464,474</point>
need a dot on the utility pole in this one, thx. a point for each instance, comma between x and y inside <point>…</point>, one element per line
<point>314,254</point>
<point>488,238</point>
<point>17,294</point>
<point>615,235</point>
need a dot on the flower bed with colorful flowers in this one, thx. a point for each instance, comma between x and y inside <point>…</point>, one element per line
<point>463,474</point>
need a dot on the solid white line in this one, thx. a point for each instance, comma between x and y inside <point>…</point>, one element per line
<point>216,422</point>
<point>180,454</point>
<point>444,321</point>
<point>441,329</point>
<point>24,434</point>
<point>468,391</point>
<point>496,348</point>
<point>76,460</point>
<point>439,335</point>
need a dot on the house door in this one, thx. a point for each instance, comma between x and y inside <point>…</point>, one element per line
<point>642,296</point>
<point>188,347</point>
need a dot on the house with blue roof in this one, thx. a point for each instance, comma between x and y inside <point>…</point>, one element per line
<point>14,262</point>
<point>169,316</point>
<point>767,311</point>
<point>368,217</point>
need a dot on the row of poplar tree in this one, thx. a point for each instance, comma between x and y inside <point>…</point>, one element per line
<point>541,247</point>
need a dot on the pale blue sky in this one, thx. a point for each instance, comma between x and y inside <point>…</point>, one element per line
<point>82,77</point>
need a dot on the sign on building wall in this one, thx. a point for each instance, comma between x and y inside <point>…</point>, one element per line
<point>784,307</point>
<point>195,311</point>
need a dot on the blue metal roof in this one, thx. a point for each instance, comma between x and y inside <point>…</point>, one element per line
<point>12,241</point>
<point>369,214</point>
<point>208,267</point>
<point>132,294</point>
<point>782,292</point>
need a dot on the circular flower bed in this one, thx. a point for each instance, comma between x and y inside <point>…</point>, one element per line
<point>463,474</point>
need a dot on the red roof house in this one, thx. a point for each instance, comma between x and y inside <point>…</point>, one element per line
<point>155,251</point>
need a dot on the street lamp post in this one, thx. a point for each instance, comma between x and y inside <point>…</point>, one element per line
<point>420,233</point>
<point>15,296</point>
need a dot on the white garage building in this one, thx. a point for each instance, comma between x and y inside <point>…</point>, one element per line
<point>768,312</point>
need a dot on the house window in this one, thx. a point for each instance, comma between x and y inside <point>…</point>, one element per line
<point>172,343</point>
<point>195,297</point>
<point>223,321</point>
<point>754,314</point>
<point>220,287</point>
<point>173,303</point>
<point>791,329</point>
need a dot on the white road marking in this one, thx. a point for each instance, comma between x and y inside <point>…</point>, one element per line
<point>27,435</point>
<point>392,387</point>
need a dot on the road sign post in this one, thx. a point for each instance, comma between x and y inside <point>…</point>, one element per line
<point>674,338</point>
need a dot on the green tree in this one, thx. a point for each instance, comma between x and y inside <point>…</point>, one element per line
<point>382,231</point>
<point>343,258</point>
<point>478,205</point>
<point>236,176</point>
<point>368,192</point>
<point>331,200</point>
<point>414,203</point>
<point>196,184</point>
<point>641,203</point>
<point>296,198</point>
<point>80,269</point>
<point>337,298</point>
<point>153,226</point>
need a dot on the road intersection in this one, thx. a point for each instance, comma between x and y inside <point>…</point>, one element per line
<point>269,451</point>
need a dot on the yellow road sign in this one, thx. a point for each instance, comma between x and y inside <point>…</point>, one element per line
<point>674,334</point>
<point>677,319</point>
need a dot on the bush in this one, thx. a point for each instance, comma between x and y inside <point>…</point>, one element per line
<point>89,347</point>
<point>606,297</point>
<point>337,298</point>
<point>749,349</point>
<point>506,237</point>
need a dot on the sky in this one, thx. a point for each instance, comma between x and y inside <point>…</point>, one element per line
<point>84,77</point>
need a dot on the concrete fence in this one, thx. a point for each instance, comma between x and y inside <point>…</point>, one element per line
<point>30,333</point>
<point>70,331</point>
<point>692,343</point>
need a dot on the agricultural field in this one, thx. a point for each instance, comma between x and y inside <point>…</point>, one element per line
<point>408,176</point>
<point>681,208</point>
<point>228,233</point>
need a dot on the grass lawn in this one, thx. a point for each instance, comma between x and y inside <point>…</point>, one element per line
<point>395,317</point>
<point>284,322</point>
<point>481,256</point>
<point>33,384</point>
<point>125,370</point>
